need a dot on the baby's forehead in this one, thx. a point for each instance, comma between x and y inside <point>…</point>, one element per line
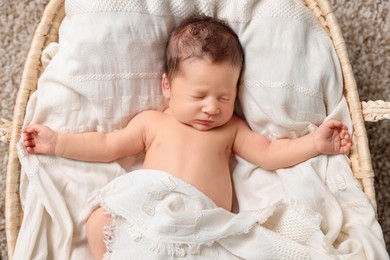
<point>192,66</point>
<point>190,61</point>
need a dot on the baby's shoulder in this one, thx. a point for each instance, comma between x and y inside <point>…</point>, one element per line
<point>237,122</point>
<point>147,118</point>
<point>150,114</point>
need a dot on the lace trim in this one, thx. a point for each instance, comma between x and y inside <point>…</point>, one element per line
<point>96,201</point>
<point>114,76</point>
<point>281,85</point>
<point>173,249</point>
<point>234,11</point>
<point>108,232</point>
<point>182,249</point>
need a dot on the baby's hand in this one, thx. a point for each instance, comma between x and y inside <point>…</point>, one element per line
<point>39,139</point>
<point>332,137</point>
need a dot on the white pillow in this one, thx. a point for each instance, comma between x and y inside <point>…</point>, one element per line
<point>292,79</point>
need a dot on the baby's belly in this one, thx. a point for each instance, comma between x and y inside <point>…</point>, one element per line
<point>208,172</point>
<point>216,186</point>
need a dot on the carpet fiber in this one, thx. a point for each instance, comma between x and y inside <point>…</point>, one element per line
<point>366,29</point>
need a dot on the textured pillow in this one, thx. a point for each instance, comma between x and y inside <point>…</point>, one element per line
<point>105,70</point>
<point>292,80</point>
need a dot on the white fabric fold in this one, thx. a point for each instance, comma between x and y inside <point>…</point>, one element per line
<point>165,217</point>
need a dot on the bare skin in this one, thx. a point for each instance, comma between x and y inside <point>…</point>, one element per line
<point>193,139</point>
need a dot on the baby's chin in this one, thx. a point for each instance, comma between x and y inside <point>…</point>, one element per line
<point>205,127</point>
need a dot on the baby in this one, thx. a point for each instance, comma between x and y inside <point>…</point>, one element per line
<point>194,138</point>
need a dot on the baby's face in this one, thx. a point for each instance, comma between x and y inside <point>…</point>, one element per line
<point>202,94</point>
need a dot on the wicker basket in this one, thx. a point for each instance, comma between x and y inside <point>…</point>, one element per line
<point>47,32</point>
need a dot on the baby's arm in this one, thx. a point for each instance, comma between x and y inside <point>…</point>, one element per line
<point>92,146</point>
<point>330,138</point>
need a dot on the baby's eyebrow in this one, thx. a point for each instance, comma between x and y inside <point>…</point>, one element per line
<point>199,90</point>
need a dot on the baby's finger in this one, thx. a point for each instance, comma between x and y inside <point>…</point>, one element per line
<point>27,136</point>
<point>347,147</point>
<point>336,123</point>
<point>344,133</point>
<point>30,149</point>
<point>347,136</point>
<point>340,125</point>
<point>31,129</point>
<point>29,143</point>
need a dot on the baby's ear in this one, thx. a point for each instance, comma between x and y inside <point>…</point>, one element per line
<point>165,86</point>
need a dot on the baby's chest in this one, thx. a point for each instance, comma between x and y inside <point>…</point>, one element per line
<point>208,143</point>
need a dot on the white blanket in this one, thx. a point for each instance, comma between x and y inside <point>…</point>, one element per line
<point>158,216</point>
<point>107,67</point>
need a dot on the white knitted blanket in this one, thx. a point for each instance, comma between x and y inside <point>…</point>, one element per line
<point>158,216</point>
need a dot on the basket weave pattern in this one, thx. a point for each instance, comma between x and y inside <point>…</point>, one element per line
<point>46,32</point>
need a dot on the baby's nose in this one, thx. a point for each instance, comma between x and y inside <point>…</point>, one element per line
<point>211,107</point>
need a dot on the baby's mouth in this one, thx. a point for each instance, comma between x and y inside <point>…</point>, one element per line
<point>206,122</point>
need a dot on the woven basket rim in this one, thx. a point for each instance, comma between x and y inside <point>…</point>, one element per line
<point>46,31</point>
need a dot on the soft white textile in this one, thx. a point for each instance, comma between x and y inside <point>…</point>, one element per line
<point>295,87</point>
<point>158,216</point>
<point>108,68</point>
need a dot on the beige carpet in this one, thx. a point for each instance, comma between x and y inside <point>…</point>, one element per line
<point>366,28</point>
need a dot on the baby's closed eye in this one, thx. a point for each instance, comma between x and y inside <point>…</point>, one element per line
<point>224,99</point>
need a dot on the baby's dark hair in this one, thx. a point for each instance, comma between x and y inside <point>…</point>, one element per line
<point>202,37</point>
